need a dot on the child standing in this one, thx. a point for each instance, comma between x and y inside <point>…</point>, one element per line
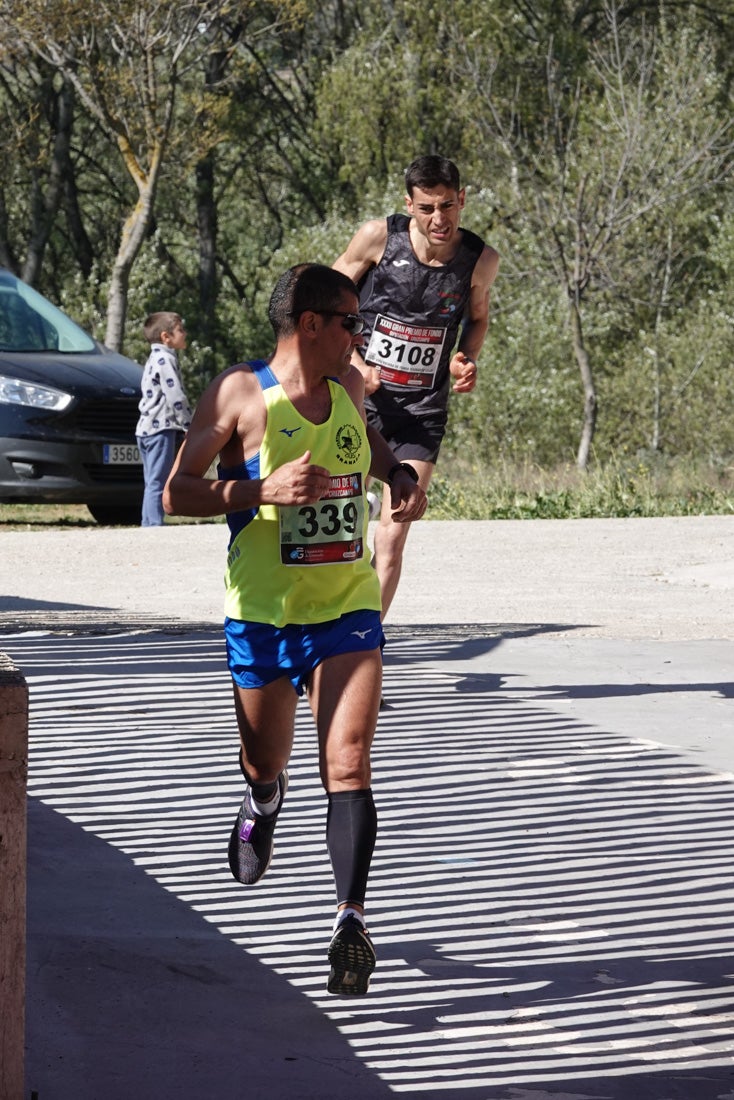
<point>164,409</point>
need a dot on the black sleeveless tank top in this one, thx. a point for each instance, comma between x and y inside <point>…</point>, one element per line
<point>413,313</point>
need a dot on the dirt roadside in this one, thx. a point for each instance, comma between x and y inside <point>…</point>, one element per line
<point>669,578</point>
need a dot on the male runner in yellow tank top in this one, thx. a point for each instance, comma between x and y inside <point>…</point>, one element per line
<point>303,601</point>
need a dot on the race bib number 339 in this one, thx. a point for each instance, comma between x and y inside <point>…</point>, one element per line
<point>407,355</point>
<point>328,532</point>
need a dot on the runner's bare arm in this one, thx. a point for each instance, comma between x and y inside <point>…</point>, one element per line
<point>463,366</point>
<point>229,422</point>
<point>407,499</point>
<point>364,251</point>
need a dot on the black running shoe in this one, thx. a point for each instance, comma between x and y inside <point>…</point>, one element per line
<point>352,959</point>
<point>251,842</point>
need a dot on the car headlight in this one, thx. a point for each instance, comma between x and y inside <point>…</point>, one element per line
<point>14,391</point>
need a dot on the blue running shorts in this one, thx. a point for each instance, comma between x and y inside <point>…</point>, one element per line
<point>258,654</point>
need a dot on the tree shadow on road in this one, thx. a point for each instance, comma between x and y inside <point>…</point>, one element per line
<point>551,900</point>
<point>131,994</point>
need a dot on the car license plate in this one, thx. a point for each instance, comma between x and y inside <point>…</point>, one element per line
<point>120,454</point>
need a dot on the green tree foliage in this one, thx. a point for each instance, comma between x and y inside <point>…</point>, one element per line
<point>127,61</point>
<point>238,137</point>
<point>610,184</point>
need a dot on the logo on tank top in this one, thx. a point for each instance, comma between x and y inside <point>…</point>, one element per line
<point>348,444</point>
<point>449,303</point>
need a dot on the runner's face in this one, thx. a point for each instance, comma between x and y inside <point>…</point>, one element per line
<point>341,342</point>
<point>436,212</point>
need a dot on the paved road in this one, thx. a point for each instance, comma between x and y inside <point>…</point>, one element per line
<point>551,896</point>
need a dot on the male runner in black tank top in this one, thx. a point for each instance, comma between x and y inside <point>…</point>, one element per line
<point>423,281</point>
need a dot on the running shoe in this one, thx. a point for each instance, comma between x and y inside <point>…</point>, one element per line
<point>251,842</point>
<point>352,959</point>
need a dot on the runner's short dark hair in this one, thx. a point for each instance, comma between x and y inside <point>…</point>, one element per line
<point>305,287</point>
<point>432,171</point>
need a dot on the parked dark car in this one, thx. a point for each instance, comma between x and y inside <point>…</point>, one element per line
<point>68,410</point>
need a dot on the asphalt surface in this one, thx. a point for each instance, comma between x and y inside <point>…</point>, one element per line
<point>551,896</point>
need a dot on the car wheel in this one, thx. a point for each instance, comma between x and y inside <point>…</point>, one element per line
<point>116,515</point>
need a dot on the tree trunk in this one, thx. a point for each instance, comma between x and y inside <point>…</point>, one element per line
<point>662,307</point>
<point>587,380</point>
<point>44,207</point>
<point>7,256</point>
<point>206,210</point>
<point>133,234</point>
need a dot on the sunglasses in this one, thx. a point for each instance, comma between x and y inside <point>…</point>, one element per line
<point>352,322</point>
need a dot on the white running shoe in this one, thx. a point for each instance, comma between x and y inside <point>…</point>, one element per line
<point>375,505</point>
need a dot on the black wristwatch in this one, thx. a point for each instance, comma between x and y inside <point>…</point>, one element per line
<point>410,471</point>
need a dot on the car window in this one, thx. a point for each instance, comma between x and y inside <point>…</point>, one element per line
<point>29,322</point>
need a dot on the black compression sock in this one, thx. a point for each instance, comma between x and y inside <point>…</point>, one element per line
<point>351,830</point>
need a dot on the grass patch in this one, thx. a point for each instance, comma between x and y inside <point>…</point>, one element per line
<point>27,517</point>
<point>31,517</point>
<point>617,489</point>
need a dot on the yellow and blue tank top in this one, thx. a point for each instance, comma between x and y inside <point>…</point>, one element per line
<point>303,563</point>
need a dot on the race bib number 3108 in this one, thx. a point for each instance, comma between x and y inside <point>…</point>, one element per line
<point>328,532</point>
<point>407,355</point>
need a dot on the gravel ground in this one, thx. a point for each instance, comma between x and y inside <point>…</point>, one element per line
<point>666,578</point>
